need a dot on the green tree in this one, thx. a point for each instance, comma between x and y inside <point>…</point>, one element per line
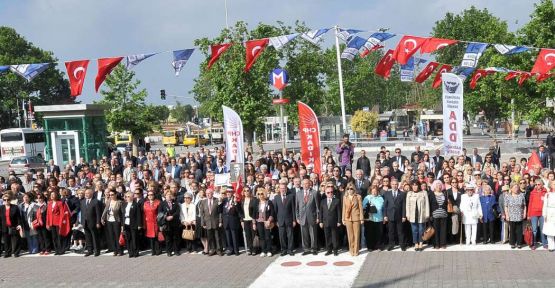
<point>182,113</point>
<point>161,112</point>
<point>49,87</point>
<point>364,121</point>
<point>126,108</point>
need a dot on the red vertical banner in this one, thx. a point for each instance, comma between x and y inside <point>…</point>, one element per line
<point>309,132</point>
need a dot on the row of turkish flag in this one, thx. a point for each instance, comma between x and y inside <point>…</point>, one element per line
<point>409,45</point>
<point>77,70</point>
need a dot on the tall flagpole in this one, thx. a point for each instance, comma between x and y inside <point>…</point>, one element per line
<point>340,73</point>
<point>226,22</point>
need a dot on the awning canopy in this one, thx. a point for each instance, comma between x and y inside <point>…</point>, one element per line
<point>431,117</point>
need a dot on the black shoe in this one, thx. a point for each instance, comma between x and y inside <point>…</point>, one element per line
<point>335,253</point>
<point>305,253</point>
<point>211,253</point>
<point>86,254</point>
<point>170,254</point>
<point>178,253</point>
<point>283,254</point>
<point>389,248</point>
<point>328,253</point>
<point>291,254</point>
<point>237,253</point>
<point>16,255</point>
<point>404,248</point>
<point>96,254</point>
<point>229,253</point>
<point>220,253</point>
<point>314,252</point>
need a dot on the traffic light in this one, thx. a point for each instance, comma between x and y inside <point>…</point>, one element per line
<point>163,94</point>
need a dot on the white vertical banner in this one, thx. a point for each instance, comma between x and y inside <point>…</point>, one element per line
<point>234,137</point>
<point>452,114</point>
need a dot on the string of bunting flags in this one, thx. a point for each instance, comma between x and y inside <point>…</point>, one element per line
<point>403,54</point>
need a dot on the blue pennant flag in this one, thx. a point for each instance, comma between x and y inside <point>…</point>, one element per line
<point>407,70</point>
<point>375,40</point>
<point>29,71</point>
<point>133,60</point>
<point>353,48</point>
<point>280,41</point>
<point>180,58</point>
<point>463,72</point>
<point>510,49</point>
<point>473,53</point>
<point>4,69</point>
<point>347,34</point>
<point>314,36</point>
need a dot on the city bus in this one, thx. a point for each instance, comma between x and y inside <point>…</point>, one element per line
<point>15,142</point>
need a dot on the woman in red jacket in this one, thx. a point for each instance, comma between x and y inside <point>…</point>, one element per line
<point>54,215</point>
<point>535,209</point>
<point>150,210</point>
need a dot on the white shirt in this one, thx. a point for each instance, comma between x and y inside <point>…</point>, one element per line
<point>127,211</point>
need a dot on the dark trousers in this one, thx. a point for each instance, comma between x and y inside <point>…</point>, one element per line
<point>91,237</point>
<point>57,239</point>
<point>440,236</point>
<point>154,246</point>
<point>131,240</point>
<point>487,231</point>
<point>308,234</point>
<point>11,243</point>
<point>232,238</point>
<point>44,239</point>
<point>396,226</point>
<point>286,238</point>
<point>213,236</point>
<point>113,230</point>
<point>332,242</point>
<point>515,232</point>
<point>249,234</point>
<point>373,234</point>
<point>173,237</point>
<point>264,237</point>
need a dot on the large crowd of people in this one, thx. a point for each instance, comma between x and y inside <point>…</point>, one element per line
<point>157,203</point>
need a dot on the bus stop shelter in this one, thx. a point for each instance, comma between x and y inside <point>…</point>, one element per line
<point>73,131</point>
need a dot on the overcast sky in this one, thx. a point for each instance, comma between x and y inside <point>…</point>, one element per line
<point>90,29</point>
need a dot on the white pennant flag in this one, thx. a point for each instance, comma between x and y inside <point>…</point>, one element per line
<point>280,41</point>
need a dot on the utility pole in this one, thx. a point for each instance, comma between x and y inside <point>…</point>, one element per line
<point>340,74</point>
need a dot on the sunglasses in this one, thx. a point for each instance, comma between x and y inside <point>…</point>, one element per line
<point>350,189</point>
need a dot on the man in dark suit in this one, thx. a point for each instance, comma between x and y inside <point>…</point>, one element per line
<point>363,163</point>
<point>173,169</point>
<point>416,152</point>
<point>438,160</point>
<point>337,179</point>
<point>330,220</point>
<point>90,219</point>
<point>361,184</point>
<point>396,172</point>
<point>285,215</point>
<point>544,156</point>
<point>211,220</point>
<point>398,158</point>
<point>231,222</point>
<point>475,158</point>
<point>51,168</point>
<point>394,214</point>
<point>306,213</point>
<point>172,233</point>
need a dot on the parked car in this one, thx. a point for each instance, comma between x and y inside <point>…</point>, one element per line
<point>194,140</point>
<point>24,164</point>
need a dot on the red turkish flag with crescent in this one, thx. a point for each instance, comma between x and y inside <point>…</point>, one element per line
<point>512,74</point>
<point>408,45</point>
<point>309,134</point>
<point>76,71</point>
<point>533,161</point>
<point>544,62</point>
<point>523,77</point>
<point>105,66</point>
<point>543,77</point>
<point>384,66</point>
<point>479,74</point>
<point>217,51</point>
<point>254,49</point>
<point>433,44</point>
<point>426,72</point>
<point>443,69</point>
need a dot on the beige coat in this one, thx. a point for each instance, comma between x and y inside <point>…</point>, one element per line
<point>420,199</point>
<point>352,210</point>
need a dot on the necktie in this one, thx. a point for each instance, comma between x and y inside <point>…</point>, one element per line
<point>305,197</point>
<point>283,199</point>
<point>394,194</point>
<point>359,184</point>
<point>209,204</point>
<point>170,205</point>
<point>329,203</point>
<point>88,202</point>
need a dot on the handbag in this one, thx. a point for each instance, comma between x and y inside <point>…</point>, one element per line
<point>449,206</point>
<point>528,235</point>
<point>161,237</point>
<point>121,240</point>
<point>36,224</point>
<point>428,233</point>
<point>269,224</point>
<point>188,233</point>
<point>495,213</point>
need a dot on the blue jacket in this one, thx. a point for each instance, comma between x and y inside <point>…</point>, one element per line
<point>488,204</point>
<point>378,202</point>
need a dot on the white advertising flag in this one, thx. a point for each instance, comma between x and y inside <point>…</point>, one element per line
<point>234,137</point>
<point>452,114</point>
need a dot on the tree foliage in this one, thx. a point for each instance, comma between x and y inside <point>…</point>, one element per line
<point>49,87</point>
<point>126,108</point>
<point>182,113</point>
<point>364,121</point>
